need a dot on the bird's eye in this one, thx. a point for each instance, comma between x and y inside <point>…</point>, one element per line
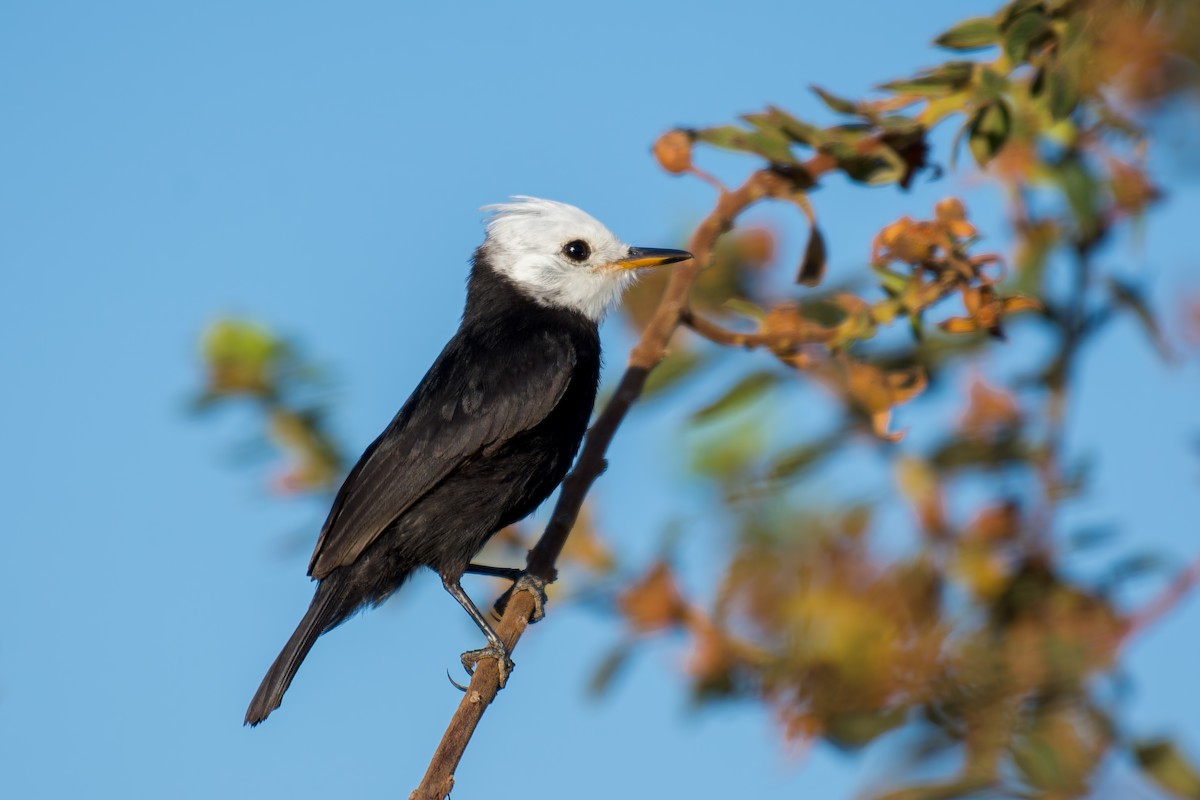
<point>577,250</point>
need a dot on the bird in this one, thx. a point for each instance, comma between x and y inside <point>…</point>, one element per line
<point>487,434</point>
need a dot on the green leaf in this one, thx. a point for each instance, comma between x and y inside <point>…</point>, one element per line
<point>1164,764</point>
<point>812,268</point>
<point>237,340</point>
<point>608,669</point>
<point>1132,300</point>
<point>961,454</point>
<point>726,136</point>
<point>988,131</point>
<point>763,122</point>
<point>839,104</point>
<point>970,34</point>
<point>745,308</point>
<point>1026,32</point>
<point>795,129</point>
<point>992,85</point>
<point>741,394</point>
<point>672,370</point>
<point>1019,7</point>
<point>951,77</point>
<point>769,143</point>
<point>1080,188</point>
<point>877,167</point>
<point>1062,92</point>
<point>796,460</point>
<point>854,729</point>
<point>915,322</point>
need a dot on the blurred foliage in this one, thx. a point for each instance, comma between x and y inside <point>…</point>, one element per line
<point>976,634</point>
<point>246,362</point>
<point>979,638</point>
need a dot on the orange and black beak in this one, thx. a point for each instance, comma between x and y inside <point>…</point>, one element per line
<point>646,257</point>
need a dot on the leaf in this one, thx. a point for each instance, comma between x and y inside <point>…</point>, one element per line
<point>654,602</point>
<point>891,282</point>
<point>988,131</point>
<point>608,668</point>
<point>742,393</point>
<point>1062,91</point>
<point>1133,566</point>
<point>959,454</point>
<point>1024,33</point>
<point>839,104</point>
<point>799,459</point>
<point>1091,536</point>
<point>1058,754</point>
<point>777,120</point>
<point>794,128</point>
<point>955,325</point>
<point>671,370</point>
<point>812,268</point>
<point>874,392</point>
<point>992,85</point>
<point>970,34</point>
<point>745,308</point>
<point>242,358</point>
<point>1019,7</point>
<point>919,483</point>
<point>1164,764</point>
<point>951,77</point>
<point>854,729</point>
<point>1082,193</point>
<point>877,166</point>
<point>771,144</point>
<point>726,136</point>
<point>1132,300</point>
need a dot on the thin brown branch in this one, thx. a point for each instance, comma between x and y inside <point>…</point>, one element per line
<point>1184,583</point>
<point>650,349</point>
<point>718,334</point>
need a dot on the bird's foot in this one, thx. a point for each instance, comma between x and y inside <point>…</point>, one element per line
<point>525,583</point>
<point>471,659</point>
<point>537,587</point>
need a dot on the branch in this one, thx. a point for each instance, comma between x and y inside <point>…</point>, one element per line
<point>650,349</point>
<point>718,334</point>
<point>1160,606</point>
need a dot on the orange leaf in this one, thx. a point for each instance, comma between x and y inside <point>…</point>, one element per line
<point>654,602</point>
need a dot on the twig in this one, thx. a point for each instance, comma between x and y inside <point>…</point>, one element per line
<point>718,334</point>
<point>1157,608</point>
<point>650,349</point>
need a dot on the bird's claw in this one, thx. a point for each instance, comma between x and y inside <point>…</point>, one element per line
<point>471,659</point>
<point>526,583</point>
<point>455,683</point>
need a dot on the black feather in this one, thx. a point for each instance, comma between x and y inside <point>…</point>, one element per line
<point>487,435</point>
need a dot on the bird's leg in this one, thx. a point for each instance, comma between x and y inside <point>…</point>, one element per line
<point>522,582</point>
<point>495,648</point>
<point>507,573</point>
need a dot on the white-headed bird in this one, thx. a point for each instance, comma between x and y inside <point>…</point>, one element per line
<point>489,432</point>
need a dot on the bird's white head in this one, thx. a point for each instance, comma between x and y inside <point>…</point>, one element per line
<point>562,257</point>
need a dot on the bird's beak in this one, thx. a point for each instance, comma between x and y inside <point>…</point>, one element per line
<point>645,257</point>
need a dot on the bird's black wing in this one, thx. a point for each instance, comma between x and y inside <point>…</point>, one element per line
<point>476,394</point>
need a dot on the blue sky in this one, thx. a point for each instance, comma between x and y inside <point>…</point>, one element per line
<point>321,167</point>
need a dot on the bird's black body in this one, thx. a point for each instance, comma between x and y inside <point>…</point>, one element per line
<point>488,434</point>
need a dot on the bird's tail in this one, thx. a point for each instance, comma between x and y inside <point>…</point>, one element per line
<point>323,614</point>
